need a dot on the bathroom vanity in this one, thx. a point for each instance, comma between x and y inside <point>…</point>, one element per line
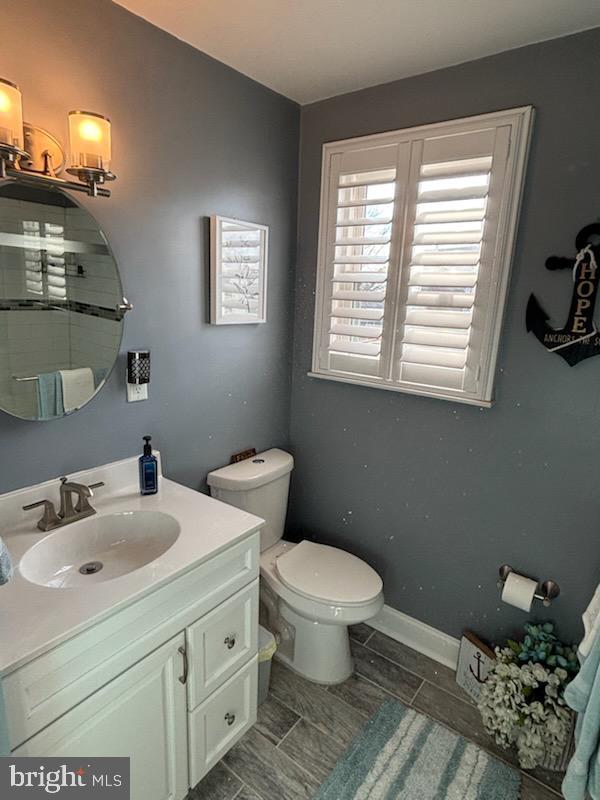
<point>152,659</point>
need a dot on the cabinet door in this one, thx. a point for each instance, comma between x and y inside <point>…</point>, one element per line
<point>140,714</point>
<point>222,642</point>
<point>220,721</point>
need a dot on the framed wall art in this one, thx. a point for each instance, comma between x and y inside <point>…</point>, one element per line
<point>238,271</point>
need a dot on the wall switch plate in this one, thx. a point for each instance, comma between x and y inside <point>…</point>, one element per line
<point>137,391</point>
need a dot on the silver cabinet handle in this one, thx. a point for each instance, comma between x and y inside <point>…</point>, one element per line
<point>183,678</point>
<point>230,642</point>
<point>229,718</point>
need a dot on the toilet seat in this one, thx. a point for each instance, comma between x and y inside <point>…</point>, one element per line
<point>328,574</point>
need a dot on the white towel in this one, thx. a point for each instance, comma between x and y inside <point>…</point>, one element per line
<point>77,386</point>
<point>591,623</point>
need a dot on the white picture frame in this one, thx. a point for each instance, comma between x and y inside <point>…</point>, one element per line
<point>238,273</point>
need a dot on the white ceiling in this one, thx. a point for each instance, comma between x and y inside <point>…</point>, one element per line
<point>312,49</point>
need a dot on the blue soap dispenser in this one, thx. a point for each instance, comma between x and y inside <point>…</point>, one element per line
<point>148,469</point>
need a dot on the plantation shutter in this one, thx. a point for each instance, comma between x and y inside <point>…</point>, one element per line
<point>45,264</point>
<point>414,255</point>
<point>458,186</point>
<point>359,248</point>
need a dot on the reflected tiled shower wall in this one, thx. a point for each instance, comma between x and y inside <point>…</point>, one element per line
<point>34,342</point>
<point>97,285</point>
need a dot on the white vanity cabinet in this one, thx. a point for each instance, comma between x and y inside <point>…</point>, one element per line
<point>170,680</point>
<point>142,714</point>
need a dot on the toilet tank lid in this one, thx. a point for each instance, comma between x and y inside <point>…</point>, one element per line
<point>252,472</point>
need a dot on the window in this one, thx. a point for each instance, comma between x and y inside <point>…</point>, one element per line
<point>416,234</point>
<point>44,248</point>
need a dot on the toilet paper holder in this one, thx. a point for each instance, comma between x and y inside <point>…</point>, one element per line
<point>547,591</point>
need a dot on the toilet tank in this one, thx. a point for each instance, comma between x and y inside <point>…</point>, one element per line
<point>259,485</point>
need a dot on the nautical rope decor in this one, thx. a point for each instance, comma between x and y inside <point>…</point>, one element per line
<point>579,338</point>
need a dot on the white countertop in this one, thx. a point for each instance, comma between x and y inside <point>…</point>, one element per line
<point>34,618</point>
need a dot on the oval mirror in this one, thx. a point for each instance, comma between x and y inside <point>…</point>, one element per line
<point>60,295</point>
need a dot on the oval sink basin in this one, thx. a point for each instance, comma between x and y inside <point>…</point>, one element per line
<point>99,549</point>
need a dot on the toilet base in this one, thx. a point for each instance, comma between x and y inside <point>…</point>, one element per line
<point>315,650</point>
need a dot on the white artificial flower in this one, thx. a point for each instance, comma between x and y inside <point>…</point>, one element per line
<point>514,714</point>
<point>554,725</point>
<point>527,677</point>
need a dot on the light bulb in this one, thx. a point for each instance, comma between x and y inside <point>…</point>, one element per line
<point>5,103</point>
<point>90,131</point>
<point>89,137</point>
<point>11,115</point>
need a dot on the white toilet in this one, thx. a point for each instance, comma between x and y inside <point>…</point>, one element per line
<point>309,592</point>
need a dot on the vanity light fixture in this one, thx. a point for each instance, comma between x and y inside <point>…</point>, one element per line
<point>32,155</point>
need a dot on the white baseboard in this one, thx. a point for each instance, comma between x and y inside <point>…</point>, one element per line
<point>421,637</point>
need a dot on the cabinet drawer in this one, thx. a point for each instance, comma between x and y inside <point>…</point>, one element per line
<point>222,642</point>
<point>221,720</point>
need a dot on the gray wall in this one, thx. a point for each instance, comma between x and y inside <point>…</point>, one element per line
<point>191,138</point>
<point>436,495</point>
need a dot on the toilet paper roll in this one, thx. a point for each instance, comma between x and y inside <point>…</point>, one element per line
<point>518,591</point>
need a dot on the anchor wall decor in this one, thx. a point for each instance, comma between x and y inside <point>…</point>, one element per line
<point>579,338</point>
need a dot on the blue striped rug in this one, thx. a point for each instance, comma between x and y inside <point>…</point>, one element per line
<point>403,755</point>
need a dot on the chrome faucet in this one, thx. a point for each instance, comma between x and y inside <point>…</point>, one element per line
<point>67,512</point>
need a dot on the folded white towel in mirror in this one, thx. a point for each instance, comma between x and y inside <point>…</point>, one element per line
<point>77,387</point>
<point>591,623</point>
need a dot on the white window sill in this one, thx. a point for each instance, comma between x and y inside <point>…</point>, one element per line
<point>471,401</point>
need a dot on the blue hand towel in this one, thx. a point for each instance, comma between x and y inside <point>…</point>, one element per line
<point>6,567</point>
<point>50,399</point>
<point>99,375</point>
<point>583,696</point>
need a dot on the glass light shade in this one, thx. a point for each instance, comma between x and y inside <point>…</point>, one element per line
<point>89,139</point>
<point>11,115</point>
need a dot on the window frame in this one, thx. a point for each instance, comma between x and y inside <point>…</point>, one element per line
<point>519,121</point>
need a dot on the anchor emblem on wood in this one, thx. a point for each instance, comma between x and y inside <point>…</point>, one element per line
<point>579,338</point>
<point>477,673</point>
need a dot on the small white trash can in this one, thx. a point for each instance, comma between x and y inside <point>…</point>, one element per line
<point>266,650</point>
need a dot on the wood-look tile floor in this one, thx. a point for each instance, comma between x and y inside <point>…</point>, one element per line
<point>303,728</point>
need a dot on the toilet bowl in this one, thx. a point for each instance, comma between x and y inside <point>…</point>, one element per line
<point>310,593</point>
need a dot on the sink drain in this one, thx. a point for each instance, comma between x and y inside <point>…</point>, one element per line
<point>91,567</point>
